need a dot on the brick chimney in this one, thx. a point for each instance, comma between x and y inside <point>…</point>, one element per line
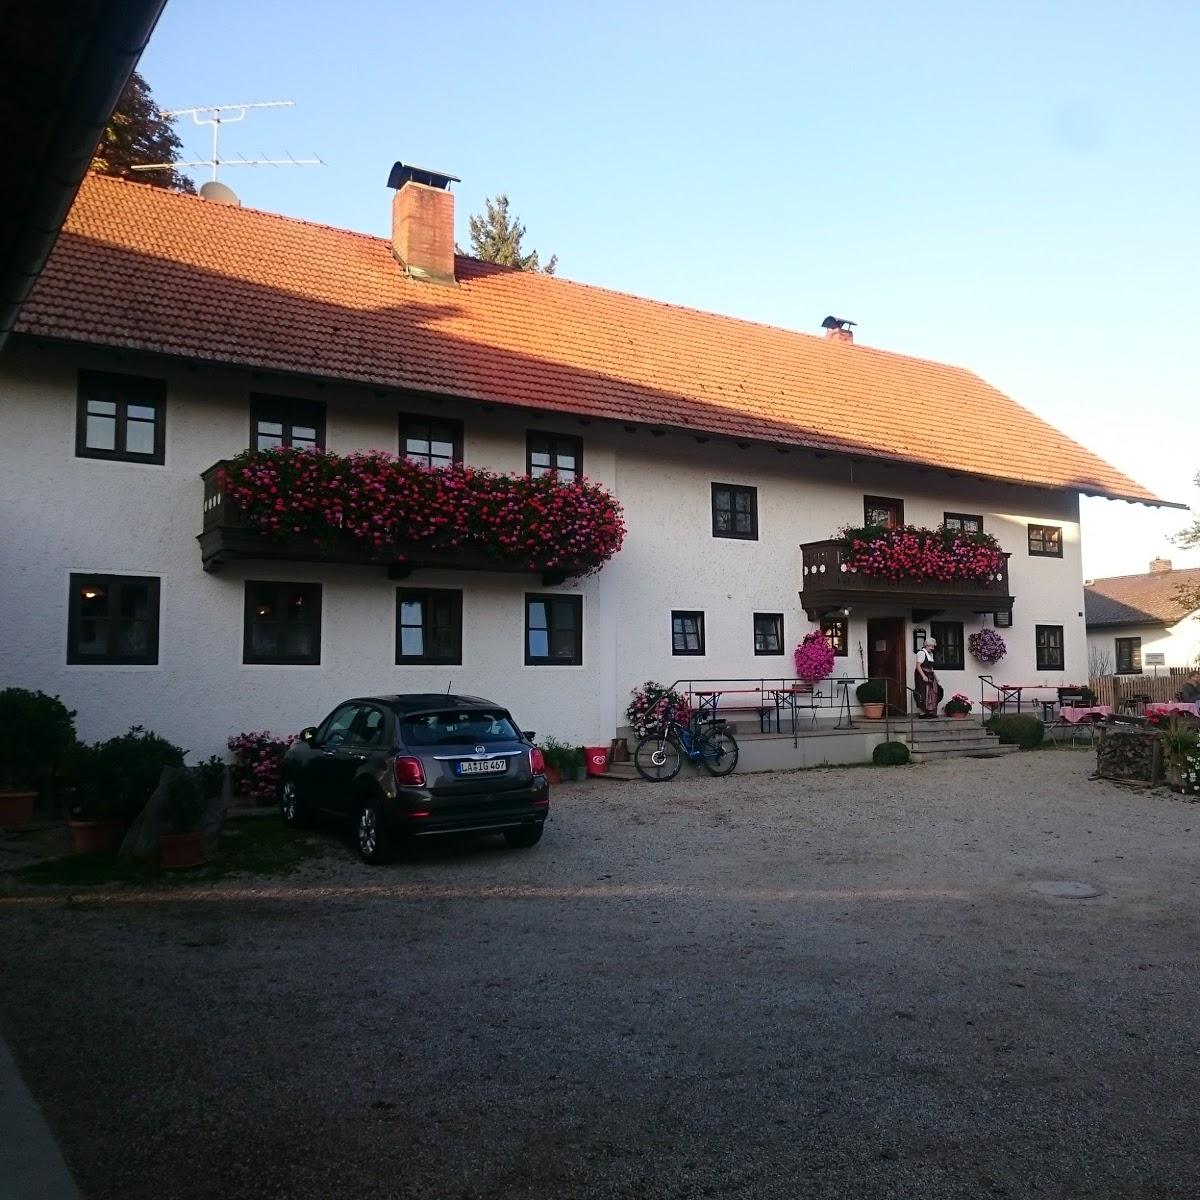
<point>423,222</point>
<point>837,329</point>
<point>1159,565</point>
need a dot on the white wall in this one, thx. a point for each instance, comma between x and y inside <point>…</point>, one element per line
<point>1179,642</point>
<point>65,514</point>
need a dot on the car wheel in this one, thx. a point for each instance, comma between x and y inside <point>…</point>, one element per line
<point>371,835</point>
<point>524,837</point>
<point>290,808</point>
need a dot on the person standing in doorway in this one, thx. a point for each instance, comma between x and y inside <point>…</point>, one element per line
<point>925,684</point>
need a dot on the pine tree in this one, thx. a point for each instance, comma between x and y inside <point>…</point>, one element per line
<point>135,135</point>
<point>496,237</point>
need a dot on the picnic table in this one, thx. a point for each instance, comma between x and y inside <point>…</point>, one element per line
<point>709,702</point>
<point>1007,693</point>
<point>1073,714</point>
<point>1168,708</point>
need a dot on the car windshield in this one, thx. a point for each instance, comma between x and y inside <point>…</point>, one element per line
<point>454,726</point>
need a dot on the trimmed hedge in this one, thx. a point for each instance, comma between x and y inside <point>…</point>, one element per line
<point>890,754</point>
<point>1018,729</point>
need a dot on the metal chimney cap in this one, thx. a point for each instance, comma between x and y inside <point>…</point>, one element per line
<point>401,174</point>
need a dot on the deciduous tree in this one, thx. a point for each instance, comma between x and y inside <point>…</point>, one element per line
<point>137,135</point>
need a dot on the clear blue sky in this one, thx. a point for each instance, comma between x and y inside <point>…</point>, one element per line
<point>1011,187</point>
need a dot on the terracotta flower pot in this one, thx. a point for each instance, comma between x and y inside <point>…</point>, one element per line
<point>181,849</point>
<point>16,808</point>
<point>96,837</point>
<point>958,716</point>
<point>872,712</point>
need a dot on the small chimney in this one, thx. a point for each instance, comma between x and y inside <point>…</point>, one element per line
<point>423,222</point>
<point>838,329</point>
<point>1159,565</point>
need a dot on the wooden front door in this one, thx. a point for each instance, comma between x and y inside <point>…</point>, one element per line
<point>886,658</point>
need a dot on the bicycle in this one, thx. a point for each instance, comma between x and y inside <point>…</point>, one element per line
<point>659,756</point>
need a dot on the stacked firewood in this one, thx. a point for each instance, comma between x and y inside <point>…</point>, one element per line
<point>1131,754</point>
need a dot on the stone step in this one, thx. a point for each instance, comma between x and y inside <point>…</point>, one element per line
<point>947,737</point>
<point>965,744</point>
<point>623,772</point>
<point>991,750</point>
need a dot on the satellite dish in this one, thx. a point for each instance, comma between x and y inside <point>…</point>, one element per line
<point>218,193</point>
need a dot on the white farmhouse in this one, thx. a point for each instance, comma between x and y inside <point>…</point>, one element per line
<point>169,333</point>
<point>1138,623</point>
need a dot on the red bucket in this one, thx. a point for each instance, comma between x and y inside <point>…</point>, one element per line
<point>597,759</point>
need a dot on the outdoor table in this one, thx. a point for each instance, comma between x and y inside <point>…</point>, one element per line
<point>1074,713</point>
<point>1166,708</point>
<point>709,700</point>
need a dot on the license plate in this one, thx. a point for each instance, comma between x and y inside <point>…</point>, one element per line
<point>489,766</point>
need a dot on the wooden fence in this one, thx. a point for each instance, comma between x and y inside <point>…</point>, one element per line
<point>1111,689</point>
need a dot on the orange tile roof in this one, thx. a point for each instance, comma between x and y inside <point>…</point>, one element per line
<point>140,267</point>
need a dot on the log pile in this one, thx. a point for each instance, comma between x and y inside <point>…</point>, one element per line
<point>1130,754</point>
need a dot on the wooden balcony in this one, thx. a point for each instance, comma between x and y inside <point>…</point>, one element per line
<point>827,587</point>
<point>225,536</point>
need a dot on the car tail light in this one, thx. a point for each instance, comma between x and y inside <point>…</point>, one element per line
<point>409,772</point>
<point>537,761</point>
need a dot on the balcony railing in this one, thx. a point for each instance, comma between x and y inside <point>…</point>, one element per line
<point>226,535</point>
<point>827,586</point>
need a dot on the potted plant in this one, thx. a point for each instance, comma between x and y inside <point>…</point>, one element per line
<point>958,706</point>
<point>36,735</point>
<point>872,697</point>
<point>181,842</point>
<point>987,646</point>
<point>1180,740</point>
<point>560,759</point>
<point>649,707</point>
<point>116,778</point>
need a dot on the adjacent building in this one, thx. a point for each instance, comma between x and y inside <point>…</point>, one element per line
<point>169,333</point>
<point>1137,624</point>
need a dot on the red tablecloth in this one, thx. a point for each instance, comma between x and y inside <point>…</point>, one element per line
<point>1076,713</point>
<point>1174,706</point>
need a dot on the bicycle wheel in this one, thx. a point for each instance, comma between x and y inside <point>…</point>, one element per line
<point>658,758</point>
<point>719,752</point>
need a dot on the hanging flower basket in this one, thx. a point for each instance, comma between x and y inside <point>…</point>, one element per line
<point>813,657</point>
<point>987,646</point>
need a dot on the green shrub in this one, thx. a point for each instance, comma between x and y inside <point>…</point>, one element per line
<point>874,691</point>
<point>37,733</point>
<point>565,758</point>
<point>890,754</point>
<point>116,777</point>
<point>1018,729</point>
<point>210,775</point>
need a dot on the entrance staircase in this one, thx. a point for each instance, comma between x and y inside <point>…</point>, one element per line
<point>941,738</point>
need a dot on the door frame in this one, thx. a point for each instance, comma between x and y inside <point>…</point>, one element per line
<point>897,659</point>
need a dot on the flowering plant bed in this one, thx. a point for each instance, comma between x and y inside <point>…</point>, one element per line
<point>958,705</point>
<point>387,509</point>
<point>987,646</point>
<point>911,552</point>
<point>255,769</point>
<point>813,657</point>
<point>651,704</point>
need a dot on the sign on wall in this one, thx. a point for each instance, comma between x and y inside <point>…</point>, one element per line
<point>1156,658</point>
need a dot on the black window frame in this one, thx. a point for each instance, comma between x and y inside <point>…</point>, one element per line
<point>457,432</point>
<point>1041,531</point>
<point>776,618</point>
<point>734,490</point>
<point>556,441</point>
<point>958,517</point>
<point>123,391</point>
<point>1042,641</point>
<point>114,584</point>
<point>250,657</point>
<point>286,411</point>
<point>892,502</point>
<point>429,597</point>
<point>550,599</point>
<point>949,634</point>
<point>1135,655</point>
<point>834,637</point>
<point>681,616</point>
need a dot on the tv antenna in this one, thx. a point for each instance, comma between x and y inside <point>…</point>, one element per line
<point>227,114</point>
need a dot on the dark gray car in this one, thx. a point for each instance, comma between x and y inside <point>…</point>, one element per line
<point>416,765</point>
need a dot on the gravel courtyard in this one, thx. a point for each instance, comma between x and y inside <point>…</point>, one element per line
<point>839,983</point>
